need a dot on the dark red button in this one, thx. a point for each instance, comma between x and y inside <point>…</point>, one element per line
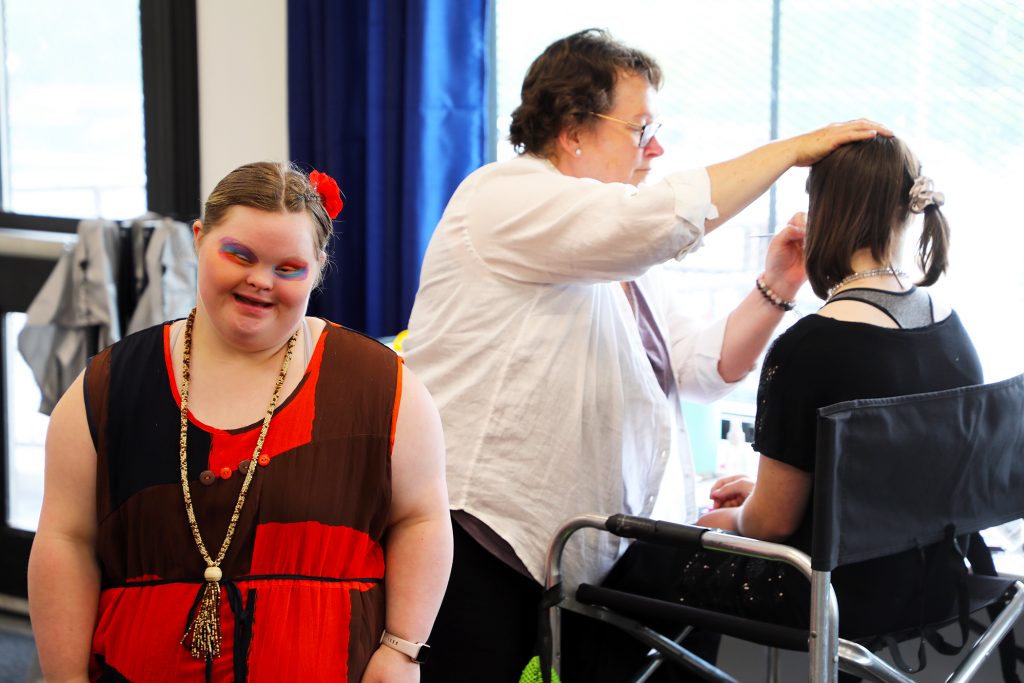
<point>207,477</point>
<point>243,466</point>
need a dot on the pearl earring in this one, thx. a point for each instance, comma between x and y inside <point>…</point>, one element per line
<point>579,151</point>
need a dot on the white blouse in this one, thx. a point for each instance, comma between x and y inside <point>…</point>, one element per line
<point>525,338</point>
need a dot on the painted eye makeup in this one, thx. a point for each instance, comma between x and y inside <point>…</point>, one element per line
<point>292,271</point>
<point>236,251</point>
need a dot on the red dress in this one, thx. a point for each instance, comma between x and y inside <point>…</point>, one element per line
<point>302,597</point>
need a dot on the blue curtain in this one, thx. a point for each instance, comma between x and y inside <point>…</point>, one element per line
<point>390,97</point>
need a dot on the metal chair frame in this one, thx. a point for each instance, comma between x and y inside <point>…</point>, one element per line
<point>827,652</point>
<point>972,441</point>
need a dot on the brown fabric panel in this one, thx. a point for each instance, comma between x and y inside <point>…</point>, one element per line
<point>96,387</point>
<point>366,625</point>
<point>356,391</point>
<point>343,481</point>
<point>149,535</point>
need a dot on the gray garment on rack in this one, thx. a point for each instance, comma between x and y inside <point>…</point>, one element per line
<point>170,274</point>
<point>74,315</point>
<point>909,309</point>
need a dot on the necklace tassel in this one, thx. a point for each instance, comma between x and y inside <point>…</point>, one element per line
<point>203,634</point>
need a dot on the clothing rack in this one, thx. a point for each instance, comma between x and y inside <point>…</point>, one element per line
<point>131,267</point>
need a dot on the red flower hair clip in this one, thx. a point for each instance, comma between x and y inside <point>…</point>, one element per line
<point>330,193</point>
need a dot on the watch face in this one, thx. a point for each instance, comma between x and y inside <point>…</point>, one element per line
<point>422,655</point>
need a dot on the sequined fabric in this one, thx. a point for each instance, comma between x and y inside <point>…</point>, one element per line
<point>745,586</point>
<point>768,372</point>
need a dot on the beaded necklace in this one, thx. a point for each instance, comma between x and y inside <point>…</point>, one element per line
<point>203,631</point>
<point>860,275</point>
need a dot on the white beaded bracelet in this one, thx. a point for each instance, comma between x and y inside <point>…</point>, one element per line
<point>773,298</point>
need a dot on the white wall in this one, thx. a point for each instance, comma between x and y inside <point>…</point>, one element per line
<point>243,86</point>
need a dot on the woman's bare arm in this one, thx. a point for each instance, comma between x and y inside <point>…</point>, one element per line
<point>773,510</point>
<point>737,182</point>
<point>418,546</point>
<point>63,575</point>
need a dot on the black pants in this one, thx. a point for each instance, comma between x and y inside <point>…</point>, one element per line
<point>486,629</point>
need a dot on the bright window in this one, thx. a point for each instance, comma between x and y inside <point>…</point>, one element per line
<point>947,76</point>
<point>72,139</point>
<point>26,432</point>
<point>71,145</point>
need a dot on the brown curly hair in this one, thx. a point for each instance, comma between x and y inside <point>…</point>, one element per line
<point>574,76</point>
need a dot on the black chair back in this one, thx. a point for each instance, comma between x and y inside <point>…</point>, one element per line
<point>899,473</point>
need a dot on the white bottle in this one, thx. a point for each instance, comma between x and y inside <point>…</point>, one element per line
<point>746,458</point>
<point>732,451</point>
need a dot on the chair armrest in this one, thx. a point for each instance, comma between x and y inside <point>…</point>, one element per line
<point>655,531</point>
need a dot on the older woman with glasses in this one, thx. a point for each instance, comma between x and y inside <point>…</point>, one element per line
<point>557,353</point>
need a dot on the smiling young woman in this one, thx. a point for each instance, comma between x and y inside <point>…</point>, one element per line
<point>256,272</point>
<point>246,451</point>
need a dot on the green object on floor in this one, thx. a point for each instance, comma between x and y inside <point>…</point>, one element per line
<point>531,674</point>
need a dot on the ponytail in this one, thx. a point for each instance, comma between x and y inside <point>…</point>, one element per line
<point>933,247</point>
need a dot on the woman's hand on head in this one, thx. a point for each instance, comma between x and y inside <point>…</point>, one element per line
<point>817,144</point>
<point>784,269</point>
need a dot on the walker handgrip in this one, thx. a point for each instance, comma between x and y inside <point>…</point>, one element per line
<point>655,531</point>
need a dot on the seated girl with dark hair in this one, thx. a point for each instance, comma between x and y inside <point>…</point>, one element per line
<point>878,335</point>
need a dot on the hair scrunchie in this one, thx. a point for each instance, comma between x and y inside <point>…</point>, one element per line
<point>922,195</point>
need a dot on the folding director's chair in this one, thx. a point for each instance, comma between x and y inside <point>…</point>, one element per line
<point>958,458</point>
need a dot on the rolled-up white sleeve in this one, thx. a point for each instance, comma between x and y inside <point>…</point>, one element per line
<point>693,202</point>
<point>527,221</point>
<point>695,354</point>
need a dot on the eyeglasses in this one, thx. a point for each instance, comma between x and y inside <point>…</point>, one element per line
<point>647,130</point>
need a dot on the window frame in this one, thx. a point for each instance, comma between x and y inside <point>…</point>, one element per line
<point>170,84</point>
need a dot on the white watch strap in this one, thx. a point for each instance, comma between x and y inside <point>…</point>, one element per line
<point>417,652</point>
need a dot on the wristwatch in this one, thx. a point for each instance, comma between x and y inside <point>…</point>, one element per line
<point>417,652</point>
